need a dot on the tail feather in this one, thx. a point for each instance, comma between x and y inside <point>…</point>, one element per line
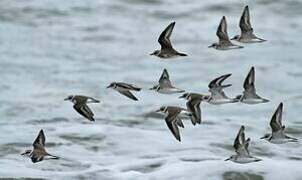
<point>182,54</point>
<point>53,157</point>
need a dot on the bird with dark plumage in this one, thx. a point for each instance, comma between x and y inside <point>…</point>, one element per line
<point>241,148</point>
<point>224,42</point>
<point>247,32</point>
<point>165,86</point>
<point>249,95</point>
<point>39,153</point>
<point>173,118</point>
<point>167,50</point>
<point>124,89</point>
<point>278,136</point>
<point>80,105</point>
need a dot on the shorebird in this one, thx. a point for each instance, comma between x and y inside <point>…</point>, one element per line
<point>249,95</point>
<point>241,148</point>
<point>224,42</point>
<point>193,106</point>
<point>216,89</point>
<point>124,89</point>
<point>39,153</point>
<point>80,105</point>
<point>247,32</point>
<point>172,118</point>
<point>167,50</point>
<point>278,135</point>
<point>165,86</point>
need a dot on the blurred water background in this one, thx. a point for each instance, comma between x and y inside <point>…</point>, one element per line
<point>50,49</point>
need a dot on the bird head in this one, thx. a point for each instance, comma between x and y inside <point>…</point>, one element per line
<point>26,153</point>
<point>69,98</point>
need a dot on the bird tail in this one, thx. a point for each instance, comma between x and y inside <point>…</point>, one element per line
<point>53,157</point>
<point>182,54</point>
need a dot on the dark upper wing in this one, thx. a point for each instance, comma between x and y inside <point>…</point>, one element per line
<point>240,144</point>
<point>164,38</point>
<point>217,82</point>
<point>246,145</point>
<point>276,121</point>
<point>240,139</point>
<point>84,110</point>
<point>164,80</point>
<point>128,86</point>
<point>171,121</point>
<point>179,122</point>
<point>194,107</point>
<point>128,94</point>
<point>40,140</point>
<point>245,24</point>
<point>222,30</point>
<point>249,82</point>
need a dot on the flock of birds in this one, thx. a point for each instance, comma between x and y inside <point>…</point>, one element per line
<point>175,114</point>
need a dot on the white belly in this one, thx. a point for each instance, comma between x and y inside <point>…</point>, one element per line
<point>279,140</point>
<point>220,101</point>
<point>252,101</point>
<point>245,160</point>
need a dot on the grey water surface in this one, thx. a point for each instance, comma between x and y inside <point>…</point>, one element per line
<point>50,49</point>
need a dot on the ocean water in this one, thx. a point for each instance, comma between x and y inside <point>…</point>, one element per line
<point>51,49</point>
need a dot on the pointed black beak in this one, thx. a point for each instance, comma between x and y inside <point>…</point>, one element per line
<point>66,99</point>
<point>227,159</point>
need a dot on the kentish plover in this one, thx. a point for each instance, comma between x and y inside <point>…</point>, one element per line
<point>165,86</point>
<point>241,148</point>
<point>39,153</point>
<point>278,135</point>
<point>249,95</point>
<point>247,32</point>
<point>80,105</point>
<point>224,42</point>
<point>167,50</point>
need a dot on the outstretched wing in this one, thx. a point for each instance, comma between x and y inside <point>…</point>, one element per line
<point>164,38</point>
<point>276,121</point>
<point>128,94</point>
<point>40,140</point>
<point>249,84</point>
<point>216,87</point>
<point>222,31</point>
<point>171,121</point>
<point>250,79</point>
<point>240,144</point>
<point>194,107</point>
<point>217,82</point>
<point>128,86</point>
<point>84,110</point>
<point>164,80</point>
<point>245,24</point>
